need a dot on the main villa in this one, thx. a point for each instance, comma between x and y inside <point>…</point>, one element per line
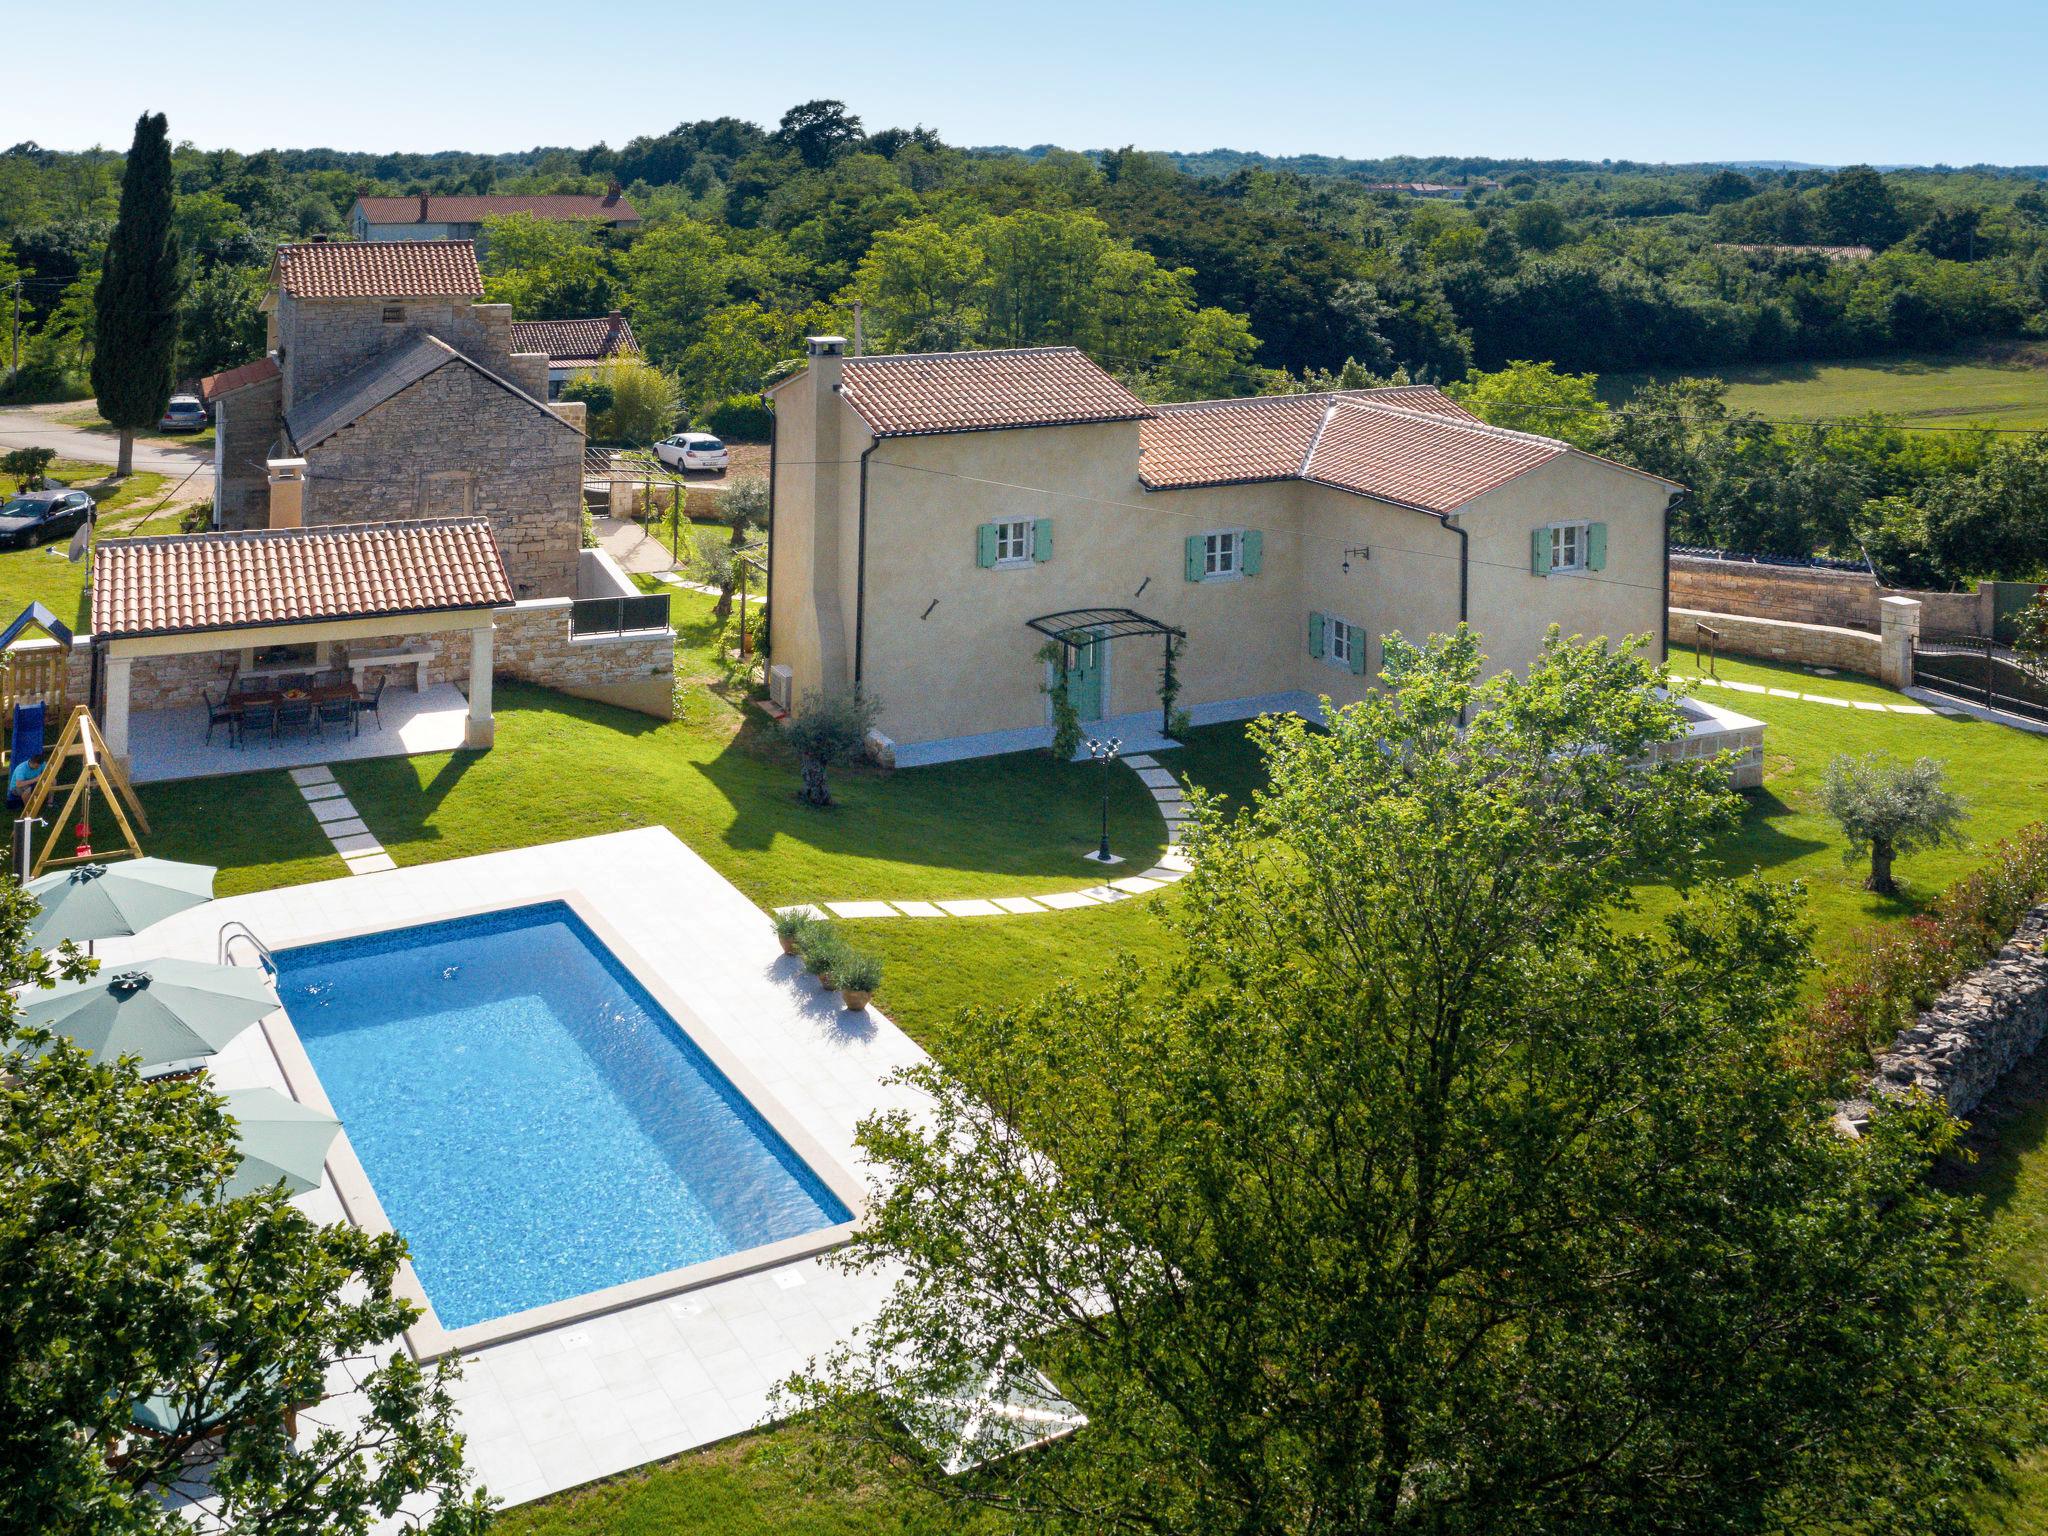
<point>941,519</point>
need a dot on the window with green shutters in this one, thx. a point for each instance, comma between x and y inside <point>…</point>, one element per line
<point>1562,548</point>
<point>1223,554</point>
<point>1014,541</point>
<point>1338,642</point>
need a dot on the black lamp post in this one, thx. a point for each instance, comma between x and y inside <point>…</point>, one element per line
<point>1105,753</point>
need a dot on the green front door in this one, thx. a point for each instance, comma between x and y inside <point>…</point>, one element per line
<point>1084,677</point>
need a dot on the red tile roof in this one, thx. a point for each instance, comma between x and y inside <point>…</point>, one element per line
<point>431,209</point>
<point>928,392</point>
<point>214,385</point>
<point>1267,437</point>
<point>1417,459</point>
<point>569,342</point>
<point>377,269</point>
<point>178,583</point>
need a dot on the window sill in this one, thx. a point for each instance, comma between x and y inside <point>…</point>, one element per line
<point>1018,563</point>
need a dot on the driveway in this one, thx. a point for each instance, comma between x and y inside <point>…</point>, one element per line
<point>30,426</point>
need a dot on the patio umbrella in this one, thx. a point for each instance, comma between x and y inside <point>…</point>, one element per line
<point>160,1010</point>
<point>280,1139</point>
<point>106,901</point>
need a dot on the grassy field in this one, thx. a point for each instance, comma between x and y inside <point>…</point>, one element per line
<point>43,575</point>
<point>2000,386</point>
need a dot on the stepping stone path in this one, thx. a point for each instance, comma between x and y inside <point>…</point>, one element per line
<point>1817,698</point>
<point>1166,794</point>
<point>342,823</point>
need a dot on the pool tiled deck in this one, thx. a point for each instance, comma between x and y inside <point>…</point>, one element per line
<point>604,1394</point>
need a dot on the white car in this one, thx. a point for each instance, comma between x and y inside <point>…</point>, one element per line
<point>692,450</point>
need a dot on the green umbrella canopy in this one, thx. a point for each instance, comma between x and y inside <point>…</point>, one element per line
<point>279,1139</point>
<point>107,901</point>
<point>160,1010</point>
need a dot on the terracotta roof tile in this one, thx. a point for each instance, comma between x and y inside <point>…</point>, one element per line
<point>1418,459</point>
<point>378,269</point>
<point>1266,437</point>
<point>214,385</point>
<point>983,391</point>
<point>569,342</point>
<point>178,583</point>
<point>474,210</point>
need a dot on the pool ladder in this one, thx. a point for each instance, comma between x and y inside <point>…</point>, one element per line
<point>232,931</point>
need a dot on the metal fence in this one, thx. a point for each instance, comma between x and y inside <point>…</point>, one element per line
<point>1978,668</point>
<point>618,615</point>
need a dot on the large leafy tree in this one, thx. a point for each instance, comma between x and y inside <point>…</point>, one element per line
<point>135,352</point>
<point>1424,1195</point>
<point>1535,397</point>
<point>127,1272</point>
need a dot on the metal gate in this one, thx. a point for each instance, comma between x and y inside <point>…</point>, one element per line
<point>1978,668</point>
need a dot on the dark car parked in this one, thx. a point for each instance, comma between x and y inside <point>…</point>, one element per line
<point>35,517</point>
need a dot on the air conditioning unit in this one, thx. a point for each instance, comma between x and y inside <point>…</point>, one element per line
<point>780,687</point>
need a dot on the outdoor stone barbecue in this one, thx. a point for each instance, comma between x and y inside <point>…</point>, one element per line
<point>1975,1032</point>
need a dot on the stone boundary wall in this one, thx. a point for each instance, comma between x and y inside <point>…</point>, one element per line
<point>1975,1032</point>
<point>1815,595</point>
<point>1805,645</point>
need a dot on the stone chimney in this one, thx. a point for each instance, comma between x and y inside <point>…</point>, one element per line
<point>612,193</point>
<point>287,493</point>
<point>423,207</point>
<point>829,536</point>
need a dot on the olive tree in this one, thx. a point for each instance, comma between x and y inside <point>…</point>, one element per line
<point>830,727</point>
<point>1422,1194</point>
<point>1887,807</point>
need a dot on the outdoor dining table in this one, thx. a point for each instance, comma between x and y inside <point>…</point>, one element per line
<point>321,693</point>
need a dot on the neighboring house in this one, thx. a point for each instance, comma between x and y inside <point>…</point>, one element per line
<point>939,518</point>
<point>575,346</point>
<point>402,396</point>
<point>431,217</point>
<point>1440,191</point>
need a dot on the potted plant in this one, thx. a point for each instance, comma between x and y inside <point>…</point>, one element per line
<point>790,926</point>
<point>858,974</point>
<point>822,950</point>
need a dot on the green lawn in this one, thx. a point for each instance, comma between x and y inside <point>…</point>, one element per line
<point>2003,385</point>
<point>43,575</point>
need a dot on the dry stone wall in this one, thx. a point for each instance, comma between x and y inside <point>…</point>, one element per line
<point>1976,1031</point>
<point>1812,595</point>
<point>1805,645</point>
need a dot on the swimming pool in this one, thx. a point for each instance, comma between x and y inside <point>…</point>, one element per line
<point>535,1124</point>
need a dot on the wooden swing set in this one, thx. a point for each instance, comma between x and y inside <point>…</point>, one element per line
<point>81,752</point>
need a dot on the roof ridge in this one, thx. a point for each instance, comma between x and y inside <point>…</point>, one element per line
<point>368,525</point>
<point>1459,422</point>
<point>925,357</point>
<point>1315,438</point>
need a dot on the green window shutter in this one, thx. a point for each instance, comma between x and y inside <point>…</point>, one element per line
<point>1539,552</point>
<point>985,545</point>
<point>1596,546</point>
<point>1254,551</point>
<point>1041,540</point>
<point>1192,550</point>
<point>1315,635</point>
<point>1357,651</point>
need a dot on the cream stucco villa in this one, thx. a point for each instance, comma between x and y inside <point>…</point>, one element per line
<point>938,517</point>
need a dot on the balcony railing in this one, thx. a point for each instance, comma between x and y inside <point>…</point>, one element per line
<point>617,615</point>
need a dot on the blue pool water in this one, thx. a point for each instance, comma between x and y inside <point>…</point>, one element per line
<point>535,1124</point>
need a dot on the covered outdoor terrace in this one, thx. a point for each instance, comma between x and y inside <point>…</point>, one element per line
<point>283,647</point>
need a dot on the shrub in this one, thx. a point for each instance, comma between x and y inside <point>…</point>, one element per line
<point>858,971</point>
<point>792,923</point>
<point>196,518</point>
<point>822,949</point>
<point>1897,973</point>
<point>738,419</point>
<point>27,466</point>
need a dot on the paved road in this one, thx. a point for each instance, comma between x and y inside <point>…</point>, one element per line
<point>25,427</point>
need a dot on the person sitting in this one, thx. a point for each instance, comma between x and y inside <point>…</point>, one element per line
<point>22,780</point>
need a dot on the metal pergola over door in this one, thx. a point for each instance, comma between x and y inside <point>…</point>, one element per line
<point>1078,627</point>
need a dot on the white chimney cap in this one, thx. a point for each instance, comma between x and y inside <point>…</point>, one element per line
<point>826,346</point>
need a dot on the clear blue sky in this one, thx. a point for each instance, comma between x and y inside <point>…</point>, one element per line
<point>1815,80</point>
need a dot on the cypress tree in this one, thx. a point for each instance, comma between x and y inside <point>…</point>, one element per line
<point>136,340</point>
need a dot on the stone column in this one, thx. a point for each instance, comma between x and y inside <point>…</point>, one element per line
<point>481,729</point>
<point>1898,621</point>
<point>120,672</point>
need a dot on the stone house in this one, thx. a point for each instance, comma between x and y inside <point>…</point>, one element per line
<point>405,397</point>
<point>939,520</point>
<point>576,346</point>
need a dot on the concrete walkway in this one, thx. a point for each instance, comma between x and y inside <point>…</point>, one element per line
<point>342,822</point>
<point>633,546</point>
<point>1871,705</point>
<point>35,427</point>
<point>1172,866</point>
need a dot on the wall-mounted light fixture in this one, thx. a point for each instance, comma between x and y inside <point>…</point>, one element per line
<point>1361,553</point>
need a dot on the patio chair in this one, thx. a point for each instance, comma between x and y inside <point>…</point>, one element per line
<point>340,710</point>
<point>370,702</point>
<point>219,713</point>
<point>256,717</point>
<point>295,715</point>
